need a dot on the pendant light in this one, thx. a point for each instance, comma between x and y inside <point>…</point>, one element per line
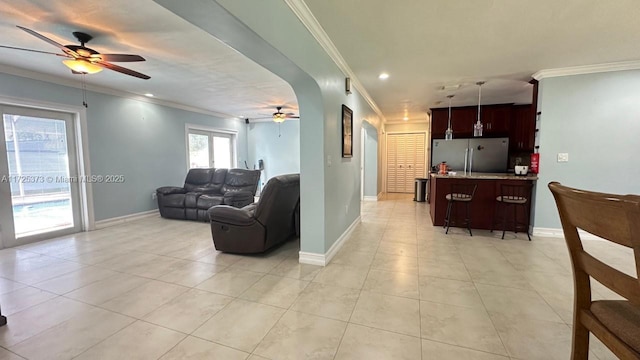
<point>448,135</point>
<point>477,128</point>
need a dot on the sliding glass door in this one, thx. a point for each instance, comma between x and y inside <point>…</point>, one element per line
<point>38,175</point>
<point>210,149</point>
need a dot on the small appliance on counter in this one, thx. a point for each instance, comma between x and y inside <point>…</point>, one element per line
<point>521,170</point>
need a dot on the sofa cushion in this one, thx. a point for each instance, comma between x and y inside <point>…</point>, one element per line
<point>218,177</point>
<point>241,180</point>
<point>190,199</point>
<point>207,201</point>
<point>198,179</point>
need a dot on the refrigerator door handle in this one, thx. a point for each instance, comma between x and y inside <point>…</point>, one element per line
<point>471,162</point>
<point>466,158</point>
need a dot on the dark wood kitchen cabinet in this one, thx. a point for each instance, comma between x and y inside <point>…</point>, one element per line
<point>462,120</point>
<point>439,122</point>
<point>522,139</point>
<point>514,121</point>
<point>497,119</point>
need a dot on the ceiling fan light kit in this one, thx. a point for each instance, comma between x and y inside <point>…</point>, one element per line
<point>82,66</point>
<point>279,117</point>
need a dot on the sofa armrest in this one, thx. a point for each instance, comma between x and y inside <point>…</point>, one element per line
<point>168,190</point>
<point>238,198</point>
<point>231,215</point>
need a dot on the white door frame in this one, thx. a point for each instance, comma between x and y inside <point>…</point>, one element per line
<point>233,133</point>
<point>79,115</point>
<point>384,160</point>
<point>363,136</point>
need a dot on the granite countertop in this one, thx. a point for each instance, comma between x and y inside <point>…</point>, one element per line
<point>486,176</point>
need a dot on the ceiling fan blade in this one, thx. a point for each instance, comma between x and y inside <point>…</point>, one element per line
<point>292,117</point>
<point>121,69</point>
<point>36,51</point>
<point>118,57</point>
<point>52,42</point>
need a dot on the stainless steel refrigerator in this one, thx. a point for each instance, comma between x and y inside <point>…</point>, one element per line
<point>474,155</point>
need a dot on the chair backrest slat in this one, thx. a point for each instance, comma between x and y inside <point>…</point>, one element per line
<point>623,284</point>
<point>612,217</point>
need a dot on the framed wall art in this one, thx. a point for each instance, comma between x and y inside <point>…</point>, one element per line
<point>347,132</point>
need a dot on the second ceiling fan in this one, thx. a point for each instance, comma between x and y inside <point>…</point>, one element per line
<point>279,116</point>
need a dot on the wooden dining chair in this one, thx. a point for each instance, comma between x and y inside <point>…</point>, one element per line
<point>615,218</point>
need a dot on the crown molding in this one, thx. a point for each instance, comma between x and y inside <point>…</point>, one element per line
<point>252,121</point>
<point>302,11</point>
<point>11,70</point>
<point>587,69</point>
<point>402,122</point>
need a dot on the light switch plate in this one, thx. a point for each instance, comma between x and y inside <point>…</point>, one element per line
<point>563,157</point>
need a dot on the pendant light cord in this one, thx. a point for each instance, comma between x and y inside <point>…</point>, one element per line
<point>449,122</point>
<point>84,92</point>
<point>479,83</point>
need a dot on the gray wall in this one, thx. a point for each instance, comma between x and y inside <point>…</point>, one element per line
<point>143,141</point>
<point>370,160</point>
<point>277,145</point>
<point>596,119</point>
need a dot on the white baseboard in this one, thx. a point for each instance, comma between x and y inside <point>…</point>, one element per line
<point>547,232</point>
<point>324,259</point>
<point>311,258</point>
<point>370,198</point>
<point>126,218</point>
<point>558,233</point>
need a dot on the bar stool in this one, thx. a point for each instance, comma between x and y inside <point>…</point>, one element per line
<point>461,193</point>
<point>513,196</point>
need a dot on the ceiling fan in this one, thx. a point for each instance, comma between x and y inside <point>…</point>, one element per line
<point>84,60</point>
<point>279,116</point>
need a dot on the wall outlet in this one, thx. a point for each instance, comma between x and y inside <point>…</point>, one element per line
<point>328,160</point>
<point>154,195</point>
<point>563,157</point>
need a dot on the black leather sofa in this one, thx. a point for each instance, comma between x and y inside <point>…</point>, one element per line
<point>257,227</point>
<point>204,188</point>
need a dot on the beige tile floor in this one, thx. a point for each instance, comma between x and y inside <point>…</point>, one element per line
<point>399,289</point>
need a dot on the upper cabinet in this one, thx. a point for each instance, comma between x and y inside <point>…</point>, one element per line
<point>501,120</point>
<point>497,119</point>
<point>523,136</point>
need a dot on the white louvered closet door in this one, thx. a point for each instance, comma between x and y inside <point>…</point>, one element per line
<point>392,165</point>
<point>405,161</point>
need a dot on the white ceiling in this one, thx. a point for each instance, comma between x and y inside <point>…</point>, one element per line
<point>425,44</point>
<point>422,44</point>
<point>187,66</point>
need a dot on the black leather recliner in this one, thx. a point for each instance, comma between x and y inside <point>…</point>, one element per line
<point>257,227</point>
<point>204,188</point>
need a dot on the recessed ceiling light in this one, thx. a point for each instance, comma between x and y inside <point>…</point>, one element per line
<point>148,95</point>
<point>383,76</point>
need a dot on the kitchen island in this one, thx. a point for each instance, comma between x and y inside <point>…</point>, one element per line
<point>484,201</point>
